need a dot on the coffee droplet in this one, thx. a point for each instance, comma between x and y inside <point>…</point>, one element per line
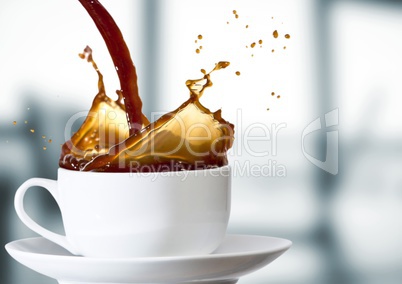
<point>284,47</point>
<point>50,141</point>
<point>220,65</point>
<point>260,41</point>
<point>287,36</point>
<point>197,50</point>
<point>199,37</point>
<point>267,109</point>
<point>44,147</point>
<point>32,130</point>
<point>273,94</point>
<point>26,121</point>
<point>14,122</point>
<point>246,26</point>
<point>275,34</point>
<point>238,73</point>
<point>278,96</point>
<point>200,47</point>
<point>252,45</point>
<point>273,50</point>
<point>235,14</point>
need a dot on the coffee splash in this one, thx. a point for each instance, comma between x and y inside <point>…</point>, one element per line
<point>117,137</point>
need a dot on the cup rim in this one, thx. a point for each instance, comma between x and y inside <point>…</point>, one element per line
<point>223,169</point>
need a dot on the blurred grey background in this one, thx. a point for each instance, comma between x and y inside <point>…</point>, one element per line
<point>342,55</point>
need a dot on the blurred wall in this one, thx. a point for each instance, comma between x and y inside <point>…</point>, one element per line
<point>320,167</point>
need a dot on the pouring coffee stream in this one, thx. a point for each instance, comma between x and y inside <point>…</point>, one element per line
<point>122,60</point>
<point>117,137</point>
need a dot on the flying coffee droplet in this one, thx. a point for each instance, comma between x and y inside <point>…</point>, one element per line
<point>287,36</point>
<point>199,36</point>
<point>14,122</point>
<point>221,65</point>
<point>49,141</point>
<point>252,45</point>
<point>267,109</point>
<point>235,14</point>
<point>195,41</point>
<point>278,96</point>
<point>44,148</point>
<point>273,94</point>
<point>200,47</point>
<point>26,121</point>
<point>260,41</point>
<point>238,73</point>
<point>32,130</point>
<point>284,47</point>
<point>246,26</point>
<point>273,50</point>
<point>227,23</point>
<point>43,137</point>
<point>197,50</point>
<point>275,34</point>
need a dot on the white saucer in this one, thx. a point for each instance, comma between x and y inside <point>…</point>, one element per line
<point>238,255</point>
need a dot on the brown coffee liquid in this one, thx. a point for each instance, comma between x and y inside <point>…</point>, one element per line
<point>117,137</point>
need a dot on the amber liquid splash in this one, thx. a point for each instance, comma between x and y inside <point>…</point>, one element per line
<point>117,137</point>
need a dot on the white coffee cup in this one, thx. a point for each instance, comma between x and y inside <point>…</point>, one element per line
<point>137,214</point>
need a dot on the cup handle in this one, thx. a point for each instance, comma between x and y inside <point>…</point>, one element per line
<point>51,186</point>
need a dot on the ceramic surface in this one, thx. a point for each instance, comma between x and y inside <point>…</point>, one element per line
<point>137,214</point>
<point>238,255</point>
